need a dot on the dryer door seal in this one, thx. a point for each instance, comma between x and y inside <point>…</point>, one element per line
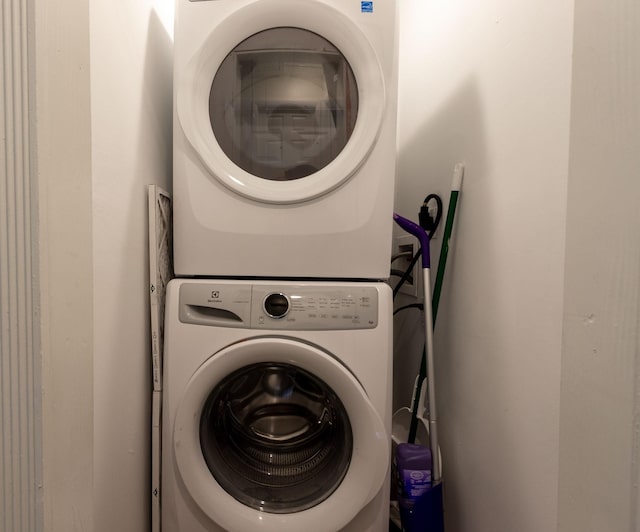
<point>366,469</point>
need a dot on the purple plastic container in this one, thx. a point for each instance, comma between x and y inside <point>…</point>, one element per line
<point>414,466</point>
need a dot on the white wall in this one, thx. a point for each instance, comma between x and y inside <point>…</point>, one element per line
<point>488,84</point>
<point>63,162</point>
<point>600,401</point>
<point>131,147</point>
<point>103,126</point>
<point>537,340</point>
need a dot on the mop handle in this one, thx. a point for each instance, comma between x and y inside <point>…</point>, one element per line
<point>421,235</point>
<point>417,231</point>
<point>430,313</point>
<point>456,185</point>
<point>431,381</point>
<point>415,403</point>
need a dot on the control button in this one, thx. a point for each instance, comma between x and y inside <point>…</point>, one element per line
<point>276,305</point>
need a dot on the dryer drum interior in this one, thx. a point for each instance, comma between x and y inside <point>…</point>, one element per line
<point>283,103</point>
<point>276,438</point>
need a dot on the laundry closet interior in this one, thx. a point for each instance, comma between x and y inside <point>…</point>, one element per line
<point>535,332</point>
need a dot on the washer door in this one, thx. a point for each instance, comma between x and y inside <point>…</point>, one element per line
<point>284,101</point>
<point>276,434</point>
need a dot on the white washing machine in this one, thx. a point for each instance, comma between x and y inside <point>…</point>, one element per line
<point>284,138</point>
<point>276,406</point>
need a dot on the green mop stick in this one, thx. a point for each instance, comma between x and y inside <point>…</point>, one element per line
<point>458,173</point>
<point>415,405</point>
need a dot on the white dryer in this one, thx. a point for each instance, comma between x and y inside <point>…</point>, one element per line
<point>276,407</point>
<point>284,138</point>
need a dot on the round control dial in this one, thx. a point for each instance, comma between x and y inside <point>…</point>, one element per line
<point>276,305</point>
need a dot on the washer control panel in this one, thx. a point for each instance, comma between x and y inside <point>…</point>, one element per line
<point>280,307</point>
<point>307,307</point>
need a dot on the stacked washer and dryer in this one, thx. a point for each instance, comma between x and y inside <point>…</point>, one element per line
<point>278,328</point>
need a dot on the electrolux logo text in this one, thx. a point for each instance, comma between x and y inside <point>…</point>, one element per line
<point>216,297</point>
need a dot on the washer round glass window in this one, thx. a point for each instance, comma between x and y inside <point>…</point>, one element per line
<point>276,438</point>
<point>283,104</point>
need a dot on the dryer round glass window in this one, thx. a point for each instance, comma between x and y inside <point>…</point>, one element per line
<point>276,438</point>
<point>283,104</point>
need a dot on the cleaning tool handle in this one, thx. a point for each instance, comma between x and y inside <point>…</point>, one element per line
<point>417,231</point>
<point>431,376</point>
<point>415,403</point>
<point>458,173</point>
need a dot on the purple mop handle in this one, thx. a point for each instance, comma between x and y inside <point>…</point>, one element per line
<point>419,233</point>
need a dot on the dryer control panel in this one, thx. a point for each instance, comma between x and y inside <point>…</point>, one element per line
<point>279,307</point>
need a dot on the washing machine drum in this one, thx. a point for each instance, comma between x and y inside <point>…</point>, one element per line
<point>276,438</point>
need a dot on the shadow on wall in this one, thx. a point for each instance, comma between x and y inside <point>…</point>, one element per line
<point>155,136</point>
<point>466,333</point>
<point>156,105</point>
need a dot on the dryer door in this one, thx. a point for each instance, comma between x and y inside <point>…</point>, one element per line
<point>282,103</point>
<point>276,434</point>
